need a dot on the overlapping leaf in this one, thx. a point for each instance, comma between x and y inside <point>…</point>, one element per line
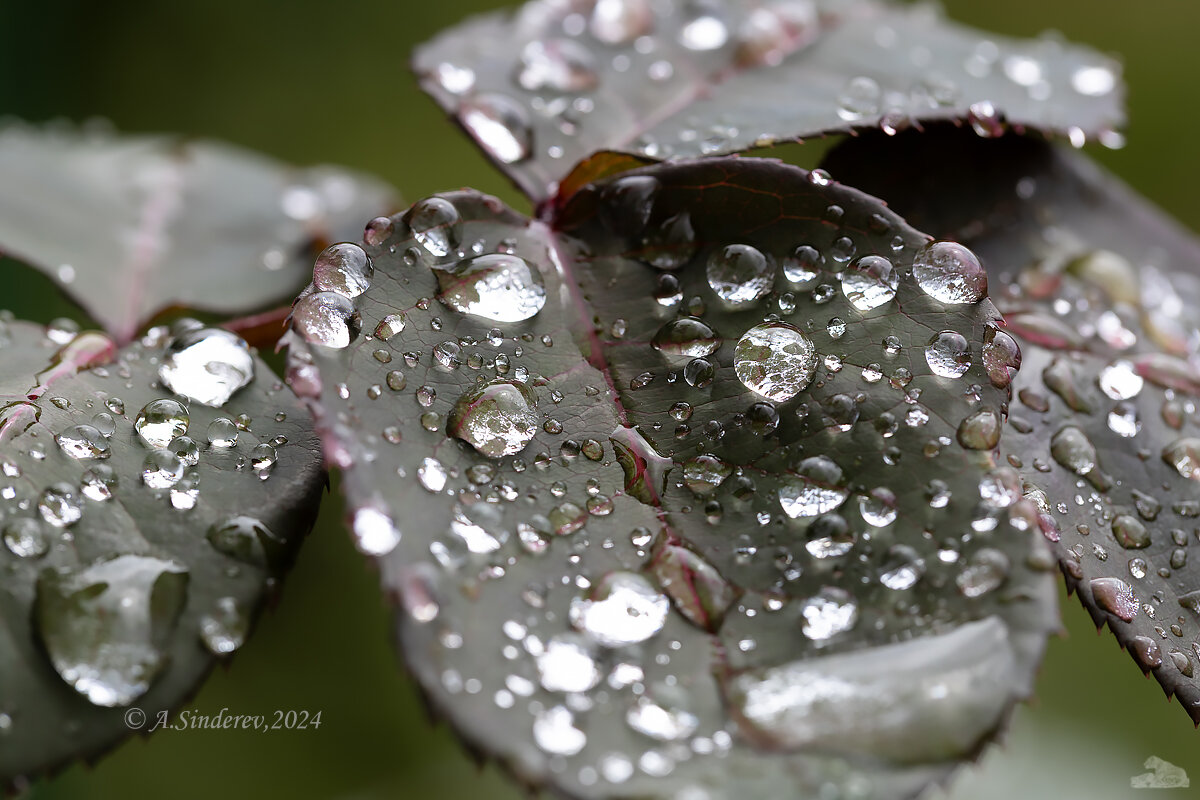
<point>1104,291</point>
<point>546,86</point>
<point>130,225</point>
<point>131,563</point>
<point>674,496</point>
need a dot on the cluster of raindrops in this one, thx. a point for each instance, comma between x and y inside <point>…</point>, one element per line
<point>519,471</point>
<point>570,60</point>
<point>108,625</point>
<point>1116,376</point>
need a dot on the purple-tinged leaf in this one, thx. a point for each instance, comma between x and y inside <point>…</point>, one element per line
<point>130,225</point>
<point>543,87</point>
<point>1104,291</point>
<point>139,531</point>
<point>632,513</point>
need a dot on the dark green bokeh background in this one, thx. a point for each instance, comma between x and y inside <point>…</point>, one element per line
<point>311,82</point>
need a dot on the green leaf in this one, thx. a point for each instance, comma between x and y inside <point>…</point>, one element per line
<point>1103,290</point>
<point>546,86</point>
<point>129,569</point>
<point>632,513</point>
<point>130,225</point>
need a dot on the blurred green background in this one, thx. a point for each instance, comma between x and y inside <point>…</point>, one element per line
<point>323,82</point>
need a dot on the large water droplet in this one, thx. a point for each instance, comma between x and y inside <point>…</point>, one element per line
<point>815,488</point>
<point>343,268</point>
<point>740,275</point>
<point>775,360</point>
<point>554,732</point>
<point>559,65</point>
<point>59,505</point>
<point>689,337</point>
<point>948,354</point>
<point>207,365</point>
<point>497,286</point>
<point>27,537</point>
<point>828,613</point>
<point>980,430</point>
<point>501,125</point>
<point>950,273</point>
<point>325,318</point>
<point>623,608</point>
<point>1071,448</point>
<point>566,664</point>
<point>870,282</point>
<point>105,626</point>
<point>497,418</point>
<point>1184,455</point>
<point>160,421</point>
<point>224,629</point>
<point>436,225</point>
<point>83,442</point>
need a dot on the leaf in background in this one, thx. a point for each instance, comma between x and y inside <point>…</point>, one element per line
<point>132,560</point>
<point>1104,290</point>
<point>548,85</point>
<point>634,515</point>
<point>130,225</point>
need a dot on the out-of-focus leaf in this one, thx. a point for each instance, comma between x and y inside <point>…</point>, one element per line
<point>703,528</point>
<point>131,562</point>
<point>546,86</point>
<point>130,225</point>
<point>1104,291</point>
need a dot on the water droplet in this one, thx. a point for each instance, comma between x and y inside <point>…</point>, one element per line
<point>501,125</point>
<point>59,505</point>
<point>432,475</point>
<point>559,65</point>
<point>1001,356</point>
<point>740,275</point>
<point>567,665</point>
<point>1129,532</point>
<point>160,421</point>
<point>704,473</point>
<point>246,539</point>
<point>389,326</point>
<point>105,626</point>
<point>1120,381</point>
<point>668,723</point>
<point>1071,448</point>
<point>980,430</point>
<point>814,489</point>
<point>162,469</point>
<point>984,571</point>
<point>948,354</point>
<point>207,365</point>
<point>1114,596</point>
<point>705,31</point>
<point>436,225</point>
<point>343,268</point>
<point>621,21</point>
<point>554,732</point>
<point>828,613</point>
<point>1184,455</point>
<point>497,418</point>
<point>224,629</point>
<point>775,360</point>
<point>902,569</point>
<point>623,608</point>
<point>950,273</point>
<point>686,336</point>
<point>829,536</point>
<point>803,266</point>
<point>870,282</point>
<point>27,537</point>
<point>222,432</point>
<point>859,99</point>
<point>83,442</point>
<point>325,318</point>
<point>878,507</point>
<point>1093,81</point>
<point>498,286</point>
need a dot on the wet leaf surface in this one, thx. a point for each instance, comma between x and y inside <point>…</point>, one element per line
<point>545,86</point>
<point>141,532</point>
<point>130,225</point>
<point>673,496</point>
<point>1103,291</point>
